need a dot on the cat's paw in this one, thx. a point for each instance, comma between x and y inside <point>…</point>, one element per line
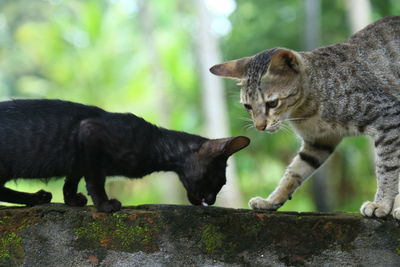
<point>77,200</point>
<point>40,197</point>
<point>109,206</point>
<point>259,203</point>
<point>372,209</point>
<point>396,213</point>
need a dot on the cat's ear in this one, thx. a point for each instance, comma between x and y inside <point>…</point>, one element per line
<point>224,146</point>
<point>283,61</point>
<point>234,144</point>
<point>235,69</point>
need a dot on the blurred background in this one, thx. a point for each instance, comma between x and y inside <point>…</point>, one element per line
<point>151,58</point>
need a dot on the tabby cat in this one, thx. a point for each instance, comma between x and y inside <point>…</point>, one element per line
<point>50,138</point>
<point>346,89</point>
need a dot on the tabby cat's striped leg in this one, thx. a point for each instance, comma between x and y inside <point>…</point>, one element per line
<point>387,174</point>
<point>309,159</point>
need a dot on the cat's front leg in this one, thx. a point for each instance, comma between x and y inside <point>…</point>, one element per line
<point>95,188</point>
<point>309,159</point>
<point>387,174</point>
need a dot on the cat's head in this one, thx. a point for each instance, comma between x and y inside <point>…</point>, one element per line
<point>203,173</point>
<point>271,84</point>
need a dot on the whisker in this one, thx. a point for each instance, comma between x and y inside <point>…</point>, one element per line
<point>287,126</point>
<point>233,94</point>
<point>245,119</point>
<point>249,126</point>
<point>284,129</point>
<point>238,105</point>
<point>287,129</point>
<point>295,119</point>
<point>236,96</point>
<point>246,126</point>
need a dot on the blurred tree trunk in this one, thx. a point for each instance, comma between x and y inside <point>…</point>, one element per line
<point>214,101</point>
<point>313,20</point>
<point>160,78</point>
<point>158,84</point>
<point>320,191</point>
<point>359,14</point>
<point>171,187</point>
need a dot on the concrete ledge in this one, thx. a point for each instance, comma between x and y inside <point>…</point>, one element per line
<point>168,235</point>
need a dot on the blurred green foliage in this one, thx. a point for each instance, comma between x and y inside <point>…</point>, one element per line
<point>94,52</point>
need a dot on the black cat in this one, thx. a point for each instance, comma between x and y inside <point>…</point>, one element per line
<point>53,138</point>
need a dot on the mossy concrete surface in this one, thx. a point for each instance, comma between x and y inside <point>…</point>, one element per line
<point>168,235</point>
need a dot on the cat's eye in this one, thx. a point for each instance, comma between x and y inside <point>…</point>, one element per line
<point>272,104</point>
<point>247,106</point>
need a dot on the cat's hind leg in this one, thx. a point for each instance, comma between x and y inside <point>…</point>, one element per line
<point>94,140</point>
<point>387,173</point>
<point>29,199</point>
<point>70,189</point>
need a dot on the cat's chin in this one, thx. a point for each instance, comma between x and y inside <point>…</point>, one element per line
<point>194,200</point>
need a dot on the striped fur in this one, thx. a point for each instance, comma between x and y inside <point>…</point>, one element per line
<point>346,89</point>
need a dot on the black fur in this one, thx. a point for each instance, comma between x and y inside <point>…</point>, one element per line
<point>53,138</point>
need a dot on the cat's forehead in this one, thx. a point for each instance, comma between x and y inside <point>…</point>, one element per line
<point>258,65</point>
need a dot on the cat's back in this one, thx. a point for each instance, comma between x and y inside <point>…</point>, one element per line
<point>42,120</point>
<point>369,60</point>
<point>377,46</point>
<point>385,30</point>
<point>44,108</point>
<point>40,135</point>
<point>376,42</point>
<point>376,56</point>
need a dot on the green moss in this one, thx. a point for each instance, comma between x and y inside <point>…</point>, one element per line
<point>255,226</point>
<point>212,238</point>
<point>398,251</point>
<point>11,249</point>
<point>120,231</point>
<point>10,244</point>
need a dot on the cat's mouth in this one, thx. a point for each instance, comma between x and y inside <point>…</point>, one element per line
<point>201,201</point>
<point>204,203</point>
<point>273,128</point>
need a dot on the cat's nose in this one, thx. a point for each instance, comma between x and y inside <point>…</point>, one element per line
<point>261,127</point>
